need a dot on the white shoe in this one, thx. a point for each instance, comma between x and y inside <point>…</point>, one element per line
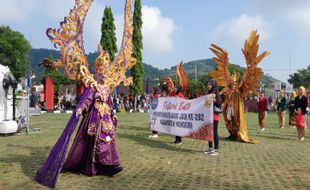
<point>262,129</point>
<point>208,151</point>
<point>154,136</point>
<point>214,153</point>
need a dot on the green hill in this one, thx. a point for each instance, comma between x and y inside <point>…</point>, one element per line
<point>199,68</point>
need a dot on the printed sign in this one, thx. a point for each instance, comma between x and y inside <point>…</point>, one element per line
<point>181,117</point>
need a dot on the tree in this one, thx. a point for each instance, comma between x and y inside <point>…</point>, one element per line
<point>137,70</point>
<point>58,77</point>
<point>14,50</point>
<point>236,69</point>
<point>108,35</point>
<point>196,88</point>
<point>300,78</point>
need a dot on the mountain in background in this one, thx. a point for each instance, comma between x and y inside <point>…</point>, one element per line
<point>196,68</point>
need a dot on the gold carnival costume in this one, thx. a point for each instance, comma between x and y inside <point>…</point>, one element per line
<point>235,91</point>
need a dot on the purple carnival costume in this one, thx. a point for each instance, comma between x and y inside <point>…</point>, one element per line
<point>94,150</point>
<point>90,154</point>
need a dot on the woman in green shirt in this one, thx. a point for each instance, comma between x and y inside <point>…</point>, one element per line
<point>281,108</point>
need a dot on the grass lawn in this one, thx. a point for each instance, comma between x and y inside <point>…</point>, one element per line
<point>279,161</point>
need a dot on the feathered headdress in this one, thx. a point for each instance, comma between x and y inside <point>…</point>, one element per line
<point>251,78</point>
<point>183,78</point>
<point>73,59</point>
<point>169,82</point>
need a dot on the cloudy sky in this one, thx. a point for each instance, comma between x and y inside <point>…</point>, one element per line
<point>182,30</point>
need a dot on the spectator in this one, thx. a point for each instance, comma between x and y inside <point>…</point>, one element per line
<point>301,113</point>
<point>121,107</point>
<point>68,101</point>
<point>42,100</point>
<point>281,108</point>
<point>270,104</point>
<point>291,109</point>
<point>262,104</point>
<point>127,103</point>
<point>34,100</point>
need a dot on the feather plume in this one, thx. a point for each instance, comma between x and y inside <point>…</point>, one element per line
<point>183,78</point>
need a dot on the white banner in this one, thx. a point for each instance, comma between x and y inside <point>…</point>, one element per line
<point>181,117</point>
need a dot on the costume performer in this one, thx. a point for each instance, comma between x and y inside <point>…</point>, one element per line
<point>235,91</point>
<point>94,149</point>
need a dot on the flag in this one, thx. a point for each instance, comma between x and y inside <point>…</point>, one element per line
<point>116,91</point>
<point>29,77</point>
<point>147,86</point>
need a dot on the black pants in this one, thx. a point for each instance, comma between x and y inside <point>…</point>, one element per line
<point>215,136</point>
<point>178,139</point>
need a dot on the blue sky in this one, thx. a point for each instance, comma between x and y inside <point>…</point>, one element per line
<point>182,30</point>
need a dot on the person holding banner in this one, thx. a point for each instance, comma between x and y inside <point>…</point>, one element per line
<point>212,88</point>
<point>179,89</point>
<point>173,92</point>
<point>154,95</point>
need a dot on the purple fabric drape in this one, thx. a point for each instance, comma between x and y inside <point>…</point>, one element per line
<point>48,174</point>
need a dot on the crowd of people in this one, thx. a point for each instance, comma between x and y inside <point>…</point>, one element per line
<point>297,106</point>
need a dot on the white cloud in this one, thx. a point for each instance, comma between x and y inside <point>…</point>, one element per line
<point>15,10</point>
<point>237,30</point>
<point>56,9</point>
<point>300,19</point>
<point>157,30</point>
<point>295,14</point>
<point>21,10</point>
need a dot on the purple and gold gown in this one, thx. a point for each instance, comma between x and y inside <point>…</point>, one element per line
<point>94,150</point>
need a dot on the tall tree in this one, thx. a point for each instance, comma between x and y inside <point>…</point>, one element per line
<point>300,78</point>
<point>108,35</point>
<point>14,49</point>
<point>137,70</point>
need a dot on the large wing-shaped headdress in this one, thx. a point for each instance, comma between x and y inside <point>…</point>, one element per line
<point>221,74</point>
<point>69,40</point>
<point>252,75</point>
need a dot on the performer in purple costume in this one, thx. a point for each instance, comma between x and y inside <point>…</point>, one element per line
<point>94,149</point>
<point>89,154</point>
